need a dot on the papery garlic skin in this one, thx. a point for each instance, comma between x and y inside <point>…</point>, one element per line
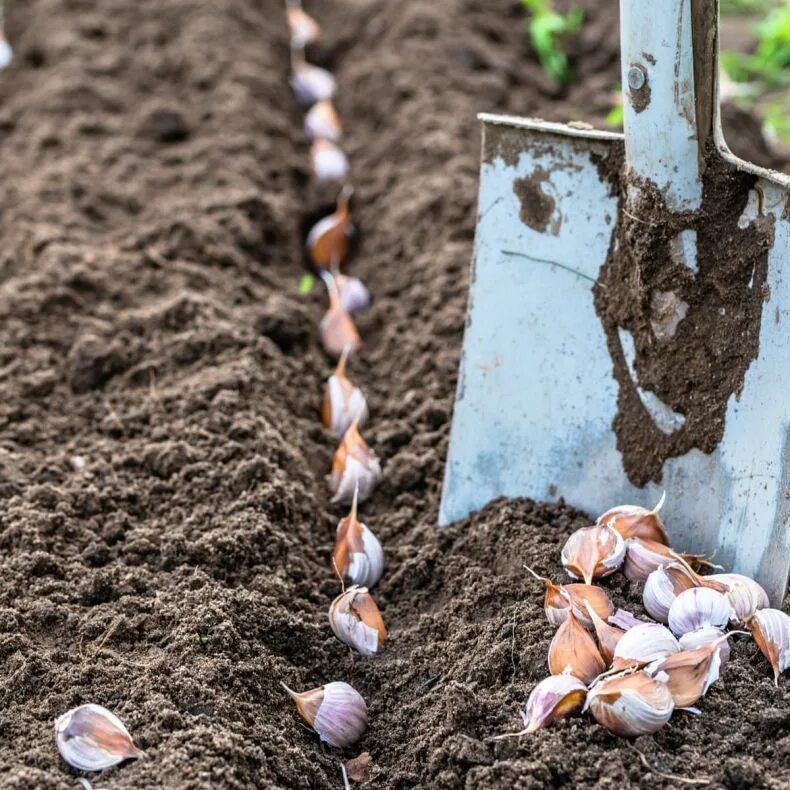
<point>328,162</point>
<point>745,595</point>
<point>355,468</point>
<point>573,651</point>
<point>690,673</point>
<point>632,521</point>
<point>696,608</point>
<point>661,588</point>
<point>92,738</point>
<point>644,644</point>
<point>312,84</point>
<point>630,705</point>
<point>771,630</point>
<point>358,554</point>
<point>321,122</point>
<point>622,618</point>
<point>593,552</point>
<point>355,620</point>
<point>705,636</point>
<point>555,697</point>
<point>343,402</point>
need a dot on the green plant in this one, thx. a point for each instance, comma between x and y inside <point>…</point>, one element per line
<point>548,30</point>
<point>777,121</point>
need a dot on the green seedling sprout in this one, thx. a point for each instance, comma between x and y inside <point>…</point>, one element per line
<point>548,30</point>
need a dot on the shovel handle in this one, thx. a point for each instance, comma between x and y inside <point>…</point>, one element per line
<point>668,62</point>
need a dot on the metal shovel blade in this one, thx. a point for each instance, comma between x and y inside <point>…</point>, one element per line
<point>553,390</point>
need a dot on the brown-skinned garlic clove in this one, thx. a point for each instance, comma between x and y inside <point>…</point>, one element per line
<point>771,630</point>
<point>357,555</point>
<point>608,636</point>
<point>336,711</point>
<point>644,644</point>
<point>663,585</point>
<point>303,28</point>
<point>573,651</point>
<point>745,595</point>
<point>92,738</point>
<point>328,241</point>
<point>343,402</point>
<point>310,83</point>
<point>356,621</point>
<point>643,556</point>
<point>631,704</point>
<point>355,468</point>
<point>696,608</point>
<point>321,122</point>
<point>632,521</point>
<point>559,598</point>
<point>593,552</point>
<point>339,334</point>
<point>328,162</point>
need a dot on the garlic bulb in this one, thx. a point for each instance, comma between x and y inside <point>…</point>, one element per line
<point>321,121</point>
<point>745,595</point>
<point>698,607</point>
<point>607,635</point>
<point>631,704</point>
<point>91,738</point>
<point>560,598</point>
<point>343,402</point>
<point>573,650</point>
<point>705,636</point>
<point>592,552</point>
<point>357,555</point>
<point>663,585</point>
<point>356,620</point>
<point>354,297</point>
<point>355,468</point>
<point>303,28</point>
<point>335,711</point>
<point>339,334</point>
<point>311,83</point>
<point>328,162</point>
<point>643,644</point>
<point>555,697</point>
<point>632,521</point>
<point>328,240</point>
<point>771,630</point>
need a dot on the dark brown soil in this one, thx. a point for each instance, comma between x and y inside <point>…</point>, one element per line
<point>165,533</point>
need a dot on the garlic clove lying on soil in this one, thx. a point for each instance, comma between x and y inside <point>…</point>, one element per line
<point>355,468</point>
<point>644,644</point>
<point>354,296</point>
<point>555,697</point>
<point>745,595</point>
<point>321,121</point>
<point>6,53</point>
<point>311,83</point>
<point>593,552</point>
<point>705,636</point>
<point>328,240</point>
<point>771,630</point>
<point>339,334</point>
<point>632,521</point>
<point>560,598</point>
<point>303,28</point>
<point>328,162</point>
<point>573,650</point>
<point>356,620</point>
<point>696,608</point>
<point>92,738</point>
<point>643,556</point>
<point>357,555</point>
<point>335,711</point>
<point>607,635</point>
<point>663,585</point>
<point>630,705</point>
<point>343,402</point>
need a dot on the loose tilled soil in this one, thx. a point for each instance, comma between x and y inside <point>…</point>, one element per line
<point>165,533</point>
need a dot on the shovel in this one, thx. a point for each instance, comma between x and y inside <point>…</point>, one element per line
<point>628,327</point>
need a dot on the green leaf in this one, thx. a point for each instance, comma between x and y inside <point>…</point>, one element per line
<point>306,284</point>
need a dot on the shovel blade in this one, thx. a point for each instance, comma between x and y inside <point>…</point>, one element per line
<point>537,397</point>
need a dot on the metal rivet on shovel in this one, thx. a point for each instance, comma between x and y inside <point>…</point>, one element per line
<point>636,78</point>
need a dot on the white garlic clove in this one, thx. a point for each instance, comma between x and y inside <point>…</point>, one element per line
<point>357,555</point>
<point>663,585</point>
<point>593,552</point>
<point>632,521</point>
<point>354,296</point>
<point>303,28</point>
<point>356,621</point>
<point>643,644</point>
<point>6,53</point>
<point>630,705</point>
<point>745,595</point>
<point>696,608</point>
<point>573,651</point>
<point>771,630</point>
<point>311,83</point>
<point>555,697</point>
<point>321,122</point>
<point>355,468</point>
<point>607,635</point>
<point>336,711</point>
<point>343,402</point>
<point>92,738</point>
<point>328,162</point>
<point>705,636</point>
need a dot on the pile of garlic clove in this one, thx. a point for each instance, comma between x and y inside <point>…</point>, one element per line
<point>630,674</point>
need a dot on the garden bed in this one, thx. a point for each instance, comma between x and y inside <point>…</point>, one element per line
<point>165,534</point>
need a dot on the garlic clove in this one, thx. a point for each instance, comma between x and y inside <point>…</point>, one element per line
<point>573,650</point>
<point>632,521</point>
<point>336,711</point>
<point>328,162</point>
<point>311,83</point>
<point>355,468</point>
<point>357,555</point>
<point>705,636</point>
<point>630,705</point>
<point>357,621</point>
<point>698,607</point>
<point>92,738</point>
<point>321,121</point>
<point>328,240</point>
<point>343,402</point>
<point>555,697</point>
<point>771,630</point>
<point>354,296</point>
<point>339,334</point>
<point>643,644</point>
<point>303,28</point>
<point>607,635</point>
<point>745,595</point>
<point>592,552</point>
<point>663,585</point>
<point>6,53</point>
<point>559,598</point>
